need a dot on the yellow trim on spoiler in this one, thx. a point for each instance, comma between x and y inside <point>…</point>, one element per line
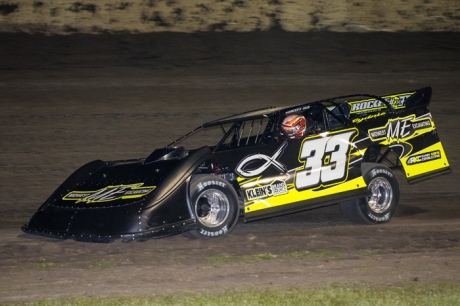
<point>427,160</point>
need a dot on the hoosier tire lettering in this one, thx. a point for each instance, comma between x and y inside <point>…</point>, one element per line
<point>223,231</point>
<point>385,218</point>
<point>201,186</point>
<point>375,172</point>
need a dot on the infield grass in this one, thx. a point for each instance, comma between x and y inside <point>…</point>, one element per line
<point>421,295</point>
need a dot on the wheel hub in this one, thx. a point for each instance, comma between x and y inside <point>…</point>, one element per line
<point>212,207</point>
<point>382,195</point>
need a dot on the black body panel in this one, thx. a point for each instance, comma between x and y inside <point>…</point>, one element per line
<point>92,204</point>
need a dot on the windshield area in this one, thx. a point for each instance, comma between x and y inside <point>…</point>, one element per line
<point>230,135</point>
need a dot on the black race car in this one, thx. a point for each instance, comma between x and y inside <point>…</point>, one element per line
<point>263,163</point>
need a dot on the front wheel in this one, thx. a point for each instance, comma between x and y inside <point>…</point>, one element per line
<point>380,206</point>
<point>214,203</point>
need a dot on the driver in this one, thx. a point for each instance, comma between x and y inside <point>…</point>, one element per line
<point>294,126</point>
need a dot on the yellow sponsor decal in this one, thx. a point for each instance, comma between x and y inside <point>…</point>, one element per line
<point>372,116</point>
<point>274,189</point>
<point>427,160</point>
<point>296,196</point>
<point>396,101</point>
<point>110,193</point>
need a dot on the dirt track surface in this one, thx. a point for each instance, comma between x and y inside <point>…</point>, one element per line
<point>68,100</point>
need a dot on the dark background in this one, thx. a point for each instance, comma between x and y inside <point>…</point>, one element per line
<point>67,100</point>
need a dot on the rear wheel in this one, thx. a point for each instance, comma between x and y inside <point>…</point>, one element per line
<point>214,203</point>
<point>380,206</point>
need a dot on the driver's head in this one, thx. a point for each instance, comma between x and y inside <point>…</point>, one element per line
<point>294,126</point>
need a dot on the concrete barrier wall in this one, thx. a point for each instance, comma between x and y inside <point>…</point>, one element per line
<point>142,16</point>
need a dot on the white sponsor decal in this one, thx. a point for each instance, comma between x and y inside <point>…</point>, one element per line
<point>273,189</point>
<point>397,131</point>
<point>399,128</point>
<point>242,169</point>
<point>425,157</point>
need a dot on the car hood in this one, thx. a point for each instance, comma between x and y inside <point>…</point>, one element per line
<point>105,184</point>
<point>115,183</point>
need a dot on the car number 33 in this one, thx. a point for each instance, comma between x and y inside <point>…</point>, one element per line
<point>325,160</point>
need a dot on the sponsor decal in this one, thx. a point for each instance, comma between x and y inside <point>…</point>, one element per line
<point>399,130</point>
<point>243,168</point>
<point>298,109</point>
<point>326,160</point>
<point>396,101</point>
<point>274,189</point>
<point>110,193</point>
<point>371,116</point>
<point>202,185</point>
<point>424,157</point>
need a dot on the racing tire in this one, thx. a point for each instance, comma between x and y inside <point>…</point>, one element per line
<point>383,202</point>
<point>214,203</point>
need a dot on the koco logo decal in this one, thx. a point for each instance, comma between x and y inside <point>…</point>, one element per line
<point>325,160</point>
<point>243,168</point>
<point>110,193</point>
<point>273,189</point>
<point>396,101</point>
<point>425,157</point>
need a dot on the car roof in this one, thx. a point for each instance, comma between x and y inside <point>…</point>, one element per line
<point>326,103</point>
<point>265,112</point>
<point>255,114</point>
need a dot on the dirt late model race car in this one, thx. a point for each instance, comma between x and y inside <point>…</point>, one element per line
<point>264,163</point>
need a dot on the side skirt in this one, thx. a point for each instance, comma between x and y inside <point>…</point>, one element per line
<point>306,205</point>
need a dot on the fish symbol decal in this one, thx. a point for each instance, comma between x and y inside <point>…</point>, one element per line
<point>243,167</point>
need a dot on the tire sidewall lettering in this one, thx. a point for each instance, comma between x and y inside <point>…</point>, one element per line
<point>383,218</point>
<point>202,185</point>
<point>375,172</point>
<point>220,232</point>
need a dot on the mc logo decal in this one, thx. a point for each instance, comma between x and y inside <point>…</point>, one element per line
<point>110,193</point>
<point>399,130</point>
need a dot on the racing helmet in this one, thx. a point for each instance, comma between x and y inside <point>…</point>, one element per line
<point>294,126</point>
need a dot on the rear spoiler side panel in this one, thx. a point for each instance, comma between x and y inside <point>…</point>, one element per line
<point>411,133</point>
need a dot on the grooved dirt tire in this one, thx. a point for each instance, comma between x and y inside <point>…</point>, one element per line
<point>383,202</point>
<point>214,203</point>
